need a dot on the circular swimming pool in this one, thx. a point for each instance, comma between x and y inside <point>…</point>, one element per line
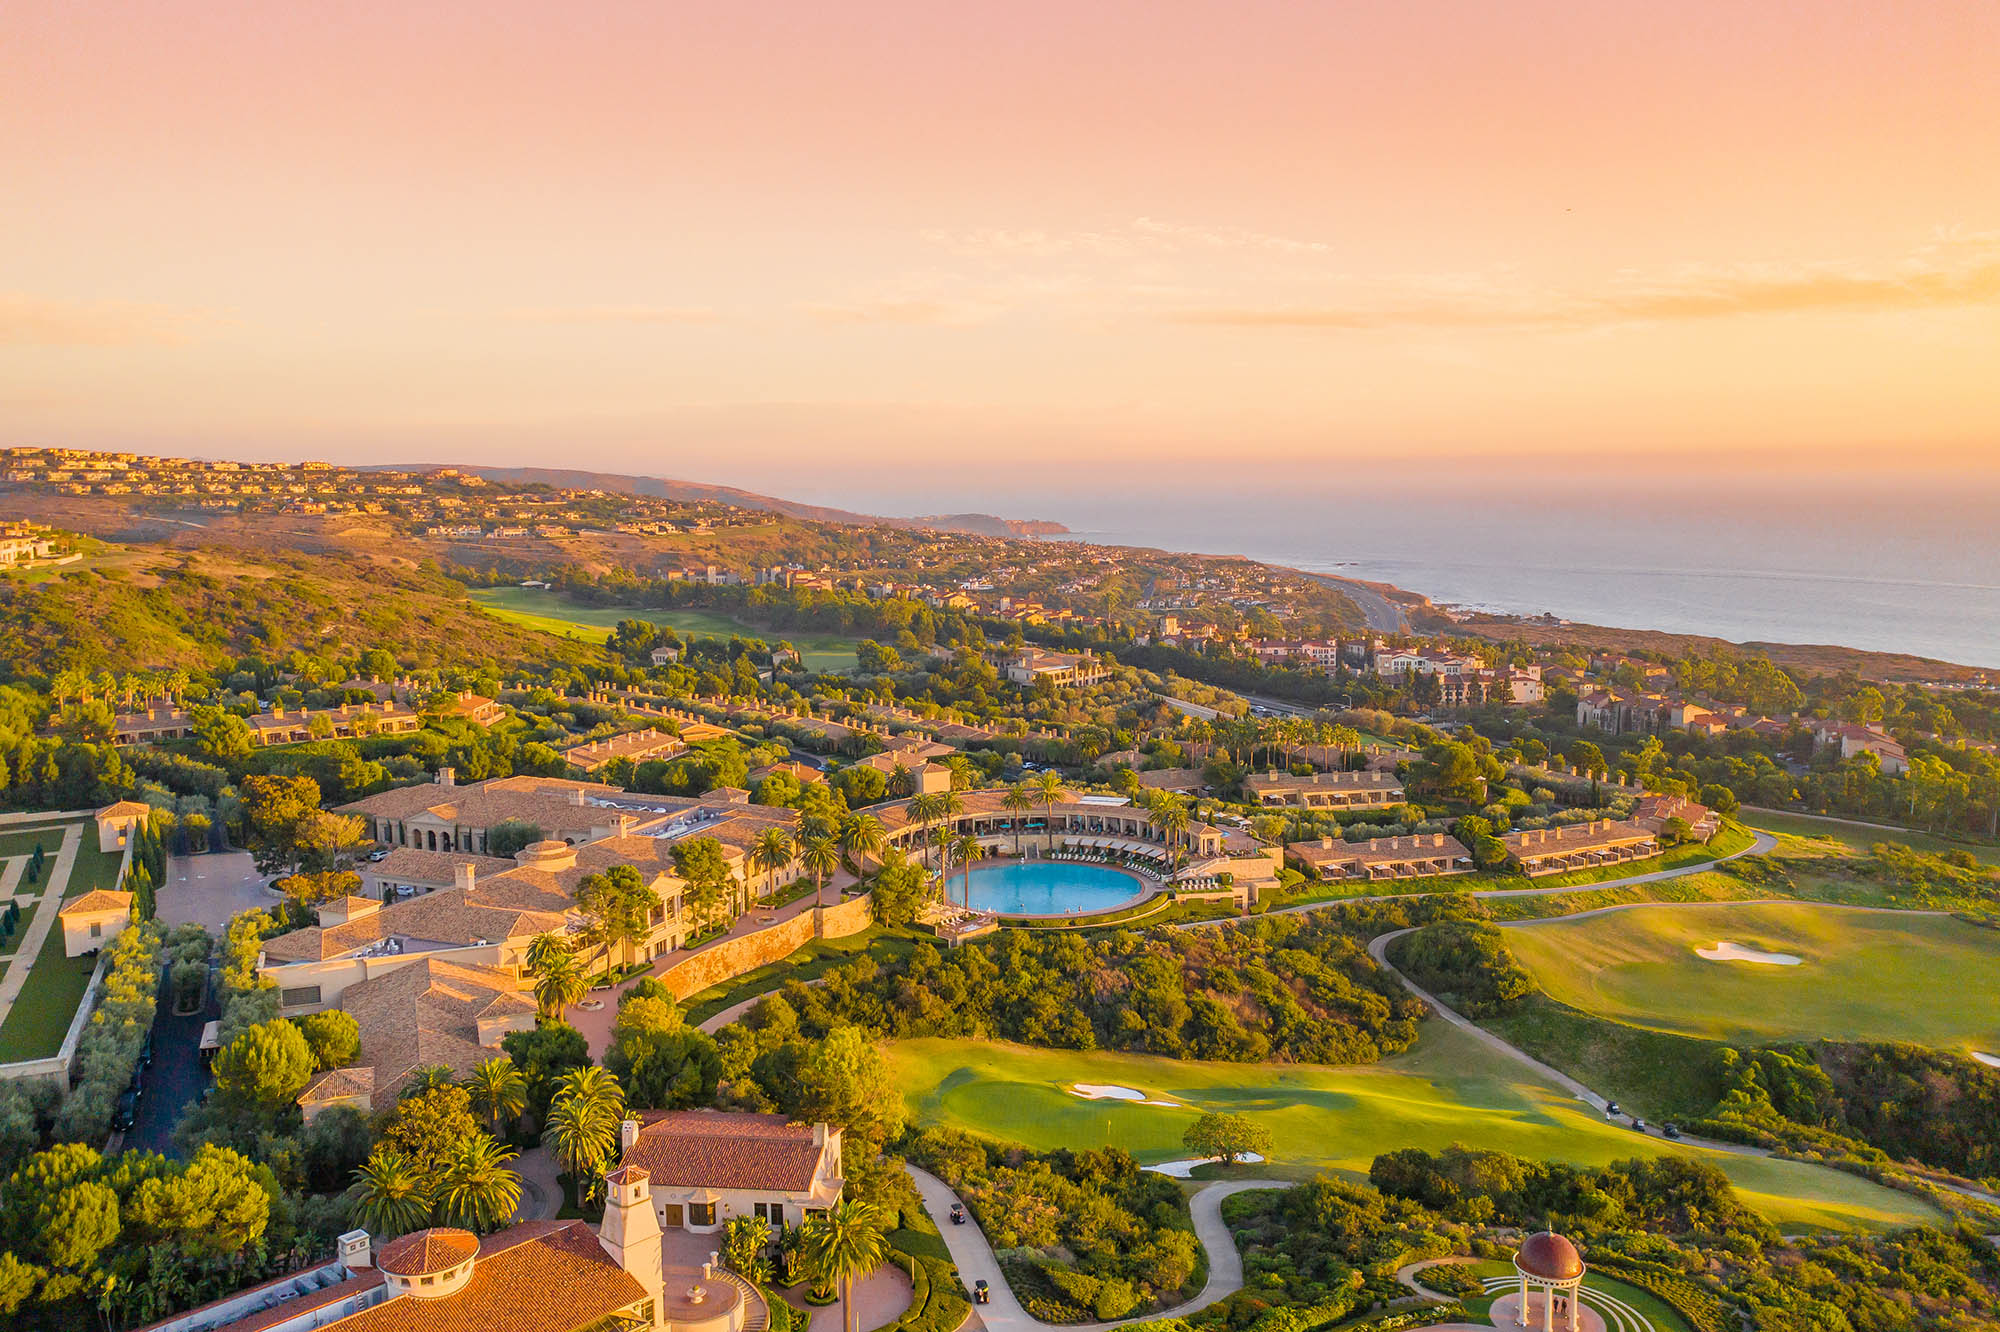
<point>1048,888</point>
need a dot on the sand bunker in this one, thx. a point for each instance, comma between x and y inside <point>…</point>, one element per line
<point>1184,1168</point>
<point>1111,1091</point>
<point>1725,951</point>
<point>1991,1061</point>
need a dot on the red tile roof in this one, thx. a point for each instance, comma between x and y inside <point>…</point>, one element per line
<point>721,1150</point>
<point>427,1252</point>
<point>545,1276</point>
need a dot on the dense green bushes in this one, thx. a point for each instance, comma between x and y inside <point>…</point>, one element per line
<point>1295,988</point>
<point>109,1048</point>
<point>1467,964</point>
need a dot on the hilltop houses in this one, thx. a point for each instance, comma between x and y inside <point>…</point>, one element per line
<point>1326,790</point>
<point>1031,665</point>
<point>1852,738</point>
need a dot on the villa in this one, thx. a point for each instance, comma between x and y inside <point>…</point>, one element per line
<point>1579,846</point>
<point>93,920</point>
<point>637,746</point>
<point>1326,790</point>
<point>1061,669</point>
<point>1851,739</point>
<point>1653,811</point>
<point>709,1167</point>
<point>282,726</point>
<point>151,726</point>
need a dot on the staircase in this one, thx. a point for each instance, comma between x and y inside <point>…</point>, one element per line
<point>756,1313</point>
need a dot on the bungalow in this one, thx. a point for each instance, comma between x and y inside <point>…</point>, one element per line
<point>93,920</point>
<point>1653,811</point>
<point>1417,856</point>
<point>1852,739</point>
<point>1579,846</point>
<point>1326,790</point>
<point>151,726</point>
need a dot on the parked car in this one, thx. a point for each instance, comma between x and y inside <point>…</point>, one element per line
<point>127,1109</point>
<point>374,856</point>
<point>958,1214</point>
<point>981,1293</point>
<point>146,1051</point>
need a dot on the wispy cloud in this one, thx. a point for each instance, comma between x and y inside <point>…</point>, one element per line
<point>1136,239</point>
<point>1953,273</point>
<point>614,314</point>
<point>40,321</point>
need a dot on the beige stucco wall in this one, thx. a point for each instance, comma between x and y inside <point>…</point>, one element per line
<point>77,936</point>
<point>733,957</point>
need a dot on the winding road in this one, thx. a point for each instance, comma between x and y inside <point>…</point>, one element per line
<point>976,1260</point>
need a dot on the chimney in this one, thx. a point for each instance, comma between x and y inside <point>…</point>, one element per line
<point>355,1250</point>
<point>819,1136</point>
<point>628,1135</point>
<point>576,796</point>
<point>462,876</point>
<point>447,777</point>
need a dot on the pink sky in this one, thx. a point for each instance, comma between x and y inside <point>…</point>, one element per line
<point>768,242</point>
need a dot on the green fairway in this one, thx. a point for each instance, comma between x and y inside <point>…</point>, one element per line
<point>1864,975</point>
<point>1450,1089</point>
<point>1836,838</point>
<point>550,612</point>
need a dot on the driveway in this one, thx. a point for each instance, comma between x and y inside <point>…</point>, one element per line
<point>176,1077</point>
<point>209,889</point>
<point>977,1262</point>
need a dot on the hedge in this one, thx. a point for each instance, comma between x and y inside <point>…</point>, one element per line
<point>108,1050</point>
<point>937,1301</point>
<point>1704,1311</point>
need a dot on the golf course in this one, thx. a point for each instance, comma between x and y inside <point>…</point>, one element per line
<point>1858,974</point>
<point>1449,1089</point>
<point>553,613</point>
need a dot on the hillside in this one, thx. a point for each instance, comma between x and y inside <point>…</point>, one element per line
<point>158,610</point>
<point>977,524</point>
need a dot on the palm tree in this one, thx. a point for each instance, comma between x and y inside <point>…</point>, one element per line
<point>559,982</point>
<point>772,852</point>
<point>861,837</point>
<point>901,782</point>
<point>498,1091</point>
<point>581,1133</point>
<point>821,857</point>
<point>1018,801</point>
<point>926,809</point>
<point>1048,793</point>
<point>476,1189</point>
<point>841,1243</point>
<point>389,1196</point>
<point>1171,814</point>
<point>543,947</point>
<point>967,849</point>
<point>426,1079</point>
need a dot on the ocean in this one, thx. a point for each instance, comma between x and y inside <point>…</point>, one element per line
<point>1893,570</point>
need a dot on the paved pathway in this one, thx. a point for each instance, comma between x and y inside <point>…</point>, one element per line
<point>176,1077</point>
<point>541,1191</point>
<point>976,1260</point>
<point>53,885</point>
<point>1407,1274</point>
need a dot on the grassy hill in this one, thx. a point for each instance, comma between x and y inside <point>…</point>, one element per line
<point>550,612</point>
<point>1864,975</point>
<point>154,609</point>
<point>1448,1089</point>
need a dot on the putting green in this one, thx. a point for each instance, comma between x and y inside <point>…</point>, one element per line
<point>1450,1089</point>
<point>1864,975</point>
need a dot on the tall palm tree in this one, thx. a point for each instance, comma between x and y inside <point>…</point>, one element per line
<point>559,982</point>
<point>861,837</point>
<point>843,1242</point>
<point>1018,801</point>
<point>476,1190</point>
<point>498,1091</point>
<point>581,1132</point>
<point>967,849</point>
<point>821,857</point>
<point>1048,793</point>
<point>389,1195</point>
<point>543,947</point>
<point>1172,816</point>
<point>926,809</point>
<point>773,851</point>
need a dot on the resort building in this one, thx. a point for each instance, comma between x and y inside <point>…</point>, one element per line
<point>474,708</point>
<point>1417,856</point>
<point>924,777</point>
<point>93,920</point>
<point>1062,669</point>
<point>117,822</point>
<point>1851,738</point>
<point>709,1167</point>
<point>1326,790</point>
<point>1653,811</point>
<point>151,726</point>
<point>407,871</point>
<point>637,746</point>
<point>1579,846</point>
<point>445,816</point>
<point>283,726</point>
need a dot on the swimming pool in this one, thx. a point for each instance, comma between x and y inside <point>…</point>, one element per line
<point>1048,888</point>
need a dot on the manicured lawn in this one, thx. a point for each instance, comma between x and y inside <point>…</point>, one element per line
<point>1657,1075</point>
<point>538,608</point>
<point>812,961</point>
<point>1645,1304</point>
<point>1865,975</point>
<point>12,943</point>
<point>47,1003</point>
<point>1833,838</point>
<point>1449,1090</point>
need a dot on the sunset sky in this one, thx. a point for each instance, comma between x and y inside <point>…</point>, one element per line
<point>822,248</point>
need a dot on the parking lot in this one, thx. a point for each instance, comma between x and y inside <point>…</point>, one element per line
<point>209,889</point>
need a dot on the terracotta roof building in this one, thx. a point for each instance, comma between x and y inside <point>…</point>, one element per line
<point>1417,856</point>
<point>1579,846</point>
<point>709,1166</point>
<point>1326,790</point>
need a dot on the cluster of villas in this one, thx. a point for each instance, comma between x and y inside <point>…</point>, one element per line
<point>287,726</point>
<point>681,1178</point>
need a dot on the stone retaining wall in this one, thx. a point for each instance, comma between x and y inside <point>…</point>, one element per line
<point>747,952</point>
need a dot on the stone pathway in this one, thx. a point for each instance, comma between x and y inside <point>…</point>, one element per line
<point>976,1260</point>
<point>53,884</point>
